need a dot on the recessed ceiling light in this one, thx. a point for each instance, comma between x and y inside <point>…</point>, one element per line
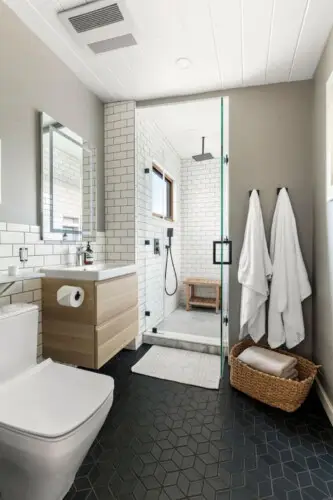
<point>183,63</point>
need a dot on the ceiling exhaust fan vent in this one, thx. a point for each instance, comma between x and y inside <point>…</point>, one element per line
<point>119,42</point>
<point>98,18</point>
<point>100,26</point>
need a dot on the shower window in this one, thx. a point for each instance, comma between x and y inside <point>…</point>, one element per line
<point>162,194</point>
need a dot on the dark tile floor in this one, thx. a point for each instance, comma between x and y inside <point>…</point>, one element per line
<point>169,441</point>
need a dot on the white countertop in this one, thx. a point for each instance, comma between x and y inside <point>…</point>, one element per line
<point>97,272</point>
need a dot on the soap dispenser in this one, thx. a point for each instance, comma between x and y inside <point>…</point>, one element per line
<point>88,255</point>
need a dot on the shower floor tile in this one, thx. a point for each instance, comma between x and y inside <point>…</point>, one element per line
<point>166,441</point>
<point>195,322</point>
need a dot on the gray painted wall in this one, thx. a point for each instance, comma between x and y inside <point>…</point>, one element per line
<point>33,79</point>
<point>270,146</point>
<point>323,234</point>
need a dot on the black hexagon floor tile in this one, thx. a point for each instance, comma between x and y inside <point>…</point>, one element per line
<point>168,441</point>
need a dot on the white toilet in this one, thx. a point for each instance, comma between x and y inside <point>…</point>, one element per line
<point>50,413</point>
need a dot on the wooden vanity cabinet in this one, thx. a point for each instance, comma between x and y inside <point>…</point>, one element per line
<point>93,333</point>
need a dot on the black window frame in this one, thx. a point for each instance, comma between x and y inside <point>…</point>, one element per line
<point>169,187</point>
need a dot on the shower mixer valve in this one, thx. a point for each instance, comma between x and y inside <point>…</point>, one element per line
<point>157,250</point>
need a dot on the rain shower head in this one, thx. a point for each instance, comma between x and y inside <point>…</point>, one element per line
<point>203,156</point>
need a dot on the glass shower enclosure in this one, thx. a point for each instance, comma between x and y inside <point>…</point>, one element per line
<point>164,311</point>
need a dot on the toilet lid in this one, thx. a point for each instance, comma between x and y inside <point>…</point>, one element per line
<point>51,400</point>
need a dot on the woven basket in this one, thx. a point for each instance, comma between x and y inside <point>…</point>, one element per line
<point>288,395</point>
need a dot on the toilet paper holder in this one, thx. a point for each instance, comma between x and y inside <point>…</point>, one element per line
<point>70,296</point>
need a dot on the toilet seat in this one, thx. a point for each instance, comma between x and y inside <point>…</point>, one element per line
<point>51,400</point>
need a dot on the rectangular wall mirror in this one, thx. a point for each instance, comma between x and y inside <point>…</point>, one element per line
<point>68,184</point>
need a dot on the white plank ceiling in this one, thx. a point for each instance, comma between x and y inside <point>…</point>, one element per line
<point>230,43</point>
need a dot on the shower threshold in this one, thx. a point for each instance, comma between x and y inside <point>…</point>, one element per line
<point>186,341</point>
<point>197,330</point>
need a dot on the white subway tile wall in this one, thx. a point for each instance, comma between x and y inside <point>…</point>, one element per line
<point>120,182</point>
<point>89,185</point>
<point>152,146</point>
<point>201,220</point>
<point>40,253</point>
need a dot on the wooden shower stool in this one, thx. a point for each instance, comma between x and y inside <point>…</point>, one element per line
<point>194,300</point>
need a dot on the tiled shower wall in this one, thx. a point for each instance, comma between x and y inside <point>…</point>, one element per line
<point>152,147</point>
<point>119,148</point>
<point>40,253</point>
<point>200,220</point>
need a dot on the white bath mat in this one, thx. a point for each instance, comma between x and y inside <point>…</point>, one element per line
<point>178,365</point>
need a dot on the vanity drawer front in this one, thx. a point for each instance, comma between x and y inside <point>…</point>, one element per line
<point>69,342</point>
<point>84,314</point>
<point>115,296</point>
<point>115,334</point>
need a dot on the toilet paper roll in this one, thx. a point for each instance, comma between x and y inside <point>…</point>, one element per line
<point>70,296</point>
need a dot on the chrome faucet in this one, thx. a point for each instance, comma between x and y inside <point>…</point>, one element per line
<point>79,255</point>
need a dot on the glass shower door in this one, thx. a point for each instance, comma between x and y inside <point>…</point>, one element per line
<point>226,244</point>
<point>154,269</point>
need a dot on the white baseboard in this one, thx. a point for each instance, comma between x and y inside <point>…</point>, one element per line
<point>325,401</point>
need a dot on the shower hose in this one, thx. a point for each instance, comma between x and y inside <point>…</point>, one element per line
<point>169,251</point>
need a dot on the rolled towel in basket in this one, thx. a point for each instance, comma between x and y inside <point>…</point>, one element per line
<point>271,362</point>
<point>293,374</point>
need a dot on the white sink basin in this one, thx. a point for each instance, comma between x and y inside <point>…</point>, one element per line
<point>95,272</point>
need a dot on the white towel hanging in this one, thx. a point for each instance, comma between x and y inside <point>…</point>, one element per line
<point>254,270</point>
<point>290,284</point>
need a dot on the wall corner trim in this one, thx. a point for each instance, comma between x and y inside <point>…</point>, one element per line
<point>325,401</point>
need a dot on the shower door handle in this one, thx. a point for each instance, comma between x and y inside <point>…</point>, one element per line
<point>225,241</point>
<point>215,260</point>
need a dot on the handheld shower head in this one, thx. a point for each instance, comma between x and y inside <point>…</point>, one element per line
<point>170,235</point>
